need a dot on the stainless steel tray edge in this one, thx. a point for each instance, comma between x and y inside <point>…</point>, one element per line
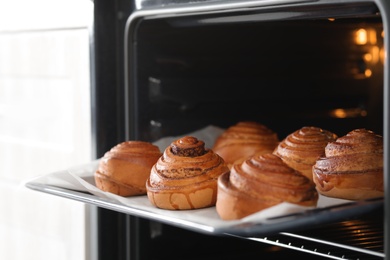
<point>274,225</point>
<point>116,206</point>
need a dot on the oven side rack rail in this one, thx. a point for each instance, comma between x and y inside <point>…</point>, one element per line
<point>358,238</point>
<point>321,248</point>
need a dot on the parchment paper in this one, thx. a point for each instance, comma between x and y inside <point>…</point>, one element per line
<point>81,178</point>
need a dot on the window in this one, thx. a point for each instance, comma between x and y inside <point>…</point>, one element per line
<point>44,124</point>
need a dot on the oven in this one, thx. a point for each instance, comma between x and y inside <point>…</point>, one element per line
<point>168,68</point>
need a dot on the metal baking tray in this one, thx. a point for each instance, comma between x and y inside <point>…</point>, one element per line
<point>70,184</point>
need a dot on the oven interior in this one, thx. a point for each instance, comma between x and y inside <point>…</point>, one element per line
<point>313,65</point>
<point>196,71</point>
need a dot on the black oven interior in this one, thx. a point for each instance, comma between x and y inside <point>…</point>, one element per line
<point>319,65</point>
<point>196,71</point>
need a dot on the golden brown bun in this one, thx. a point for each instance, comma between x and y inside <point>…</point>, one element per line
<point>260,182</point>
<point>185,177</point>
<point>124,169</point>
<point>301,149</point>
<point>352,167</point>
<point>243,140</point>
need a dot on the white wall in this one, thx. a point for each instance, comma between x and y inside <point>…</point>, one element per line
<point>44,124</point>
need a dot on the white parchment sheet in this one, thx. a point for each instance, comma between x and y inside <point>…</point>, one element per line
<point>81,178</point>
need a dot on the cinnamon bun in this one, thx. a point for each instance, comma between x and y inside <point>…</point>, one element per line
<point>245,139</point>
<point>301,149</point>
<point>352,167</point>
<point>185,176</point>
<point>260,182</point>
<point>124,169</point>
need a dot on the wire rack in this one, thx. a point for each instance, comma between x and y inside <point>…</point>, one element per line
<point>351,239</point>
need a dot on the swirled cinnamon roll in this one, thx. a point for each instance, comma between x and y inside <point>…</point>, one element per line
<point>185,176</point>
<point>352,167</point>
<point>260,182</point>
<point>124,169</point>
<point>243,140</point>
<point>301,149</point>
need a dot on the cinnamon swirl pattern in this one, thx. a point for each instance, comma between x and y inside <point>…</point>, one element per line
<point>260,182</point>
<point>301,149</point>
<point>352,167</point>
<point>185,176</point>
<point>243,140</point>
<point>124,169</point>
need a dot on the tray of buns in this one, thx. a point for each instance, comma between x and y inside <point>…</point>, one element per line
<point>232,205</point>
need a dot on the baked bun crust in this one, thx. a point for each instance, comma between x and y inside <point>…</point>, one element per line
<point>301,149</point>
<point>185,176</point>
<point>352,167</point>
<point>245,139</point>
<point>124,169</point>
<point>260,182</point>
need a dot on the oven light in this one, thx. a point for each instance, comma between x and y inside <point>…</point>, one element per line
<point>372,36</point>
<point>348,112</point>
<point>331,19</point>
<point>339,113</point>
<point>368,73</point>
<point>382,55</point>
<point>375,53</point>
<point>367,57</point>
<point>363,36</point>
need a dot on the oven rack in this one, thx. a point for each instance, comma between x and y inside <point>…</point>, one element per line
<point>357,239</point>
